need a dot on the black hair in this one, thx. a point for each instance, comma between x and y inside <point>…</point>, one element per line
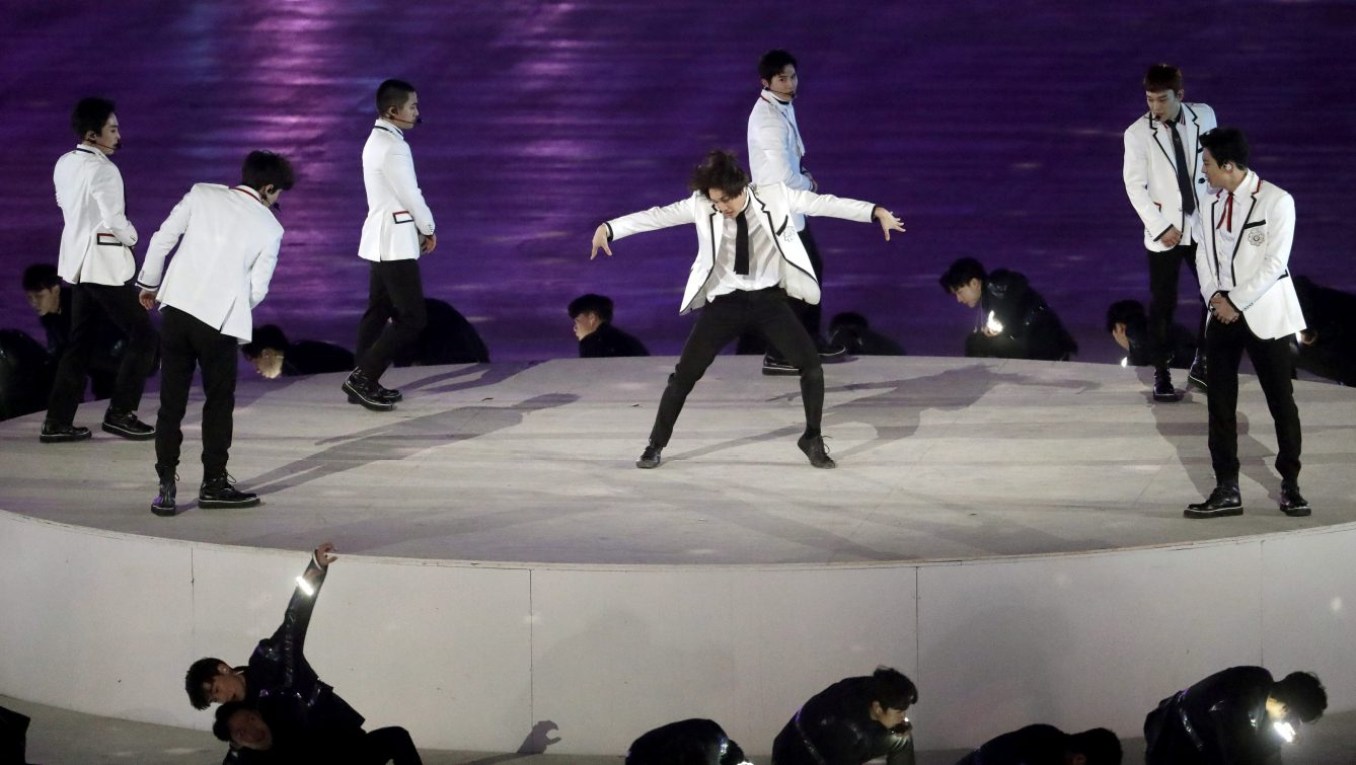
<point>1227,145</point>
<point>1099,745</point>
<point>267,337</point>
<point>960,273</point>
<point>40,276</point>
<point>264,168</point>
<point>1128,312</point>
<point>848,319</point>
<point>90,114</point>
<point>773,62</point>
<point>392,94</point>
<point>598,305</point>
<point>222,727</point>
<point>719,170</point>
<point>1161,77</point>
<point>199,674</point>
<point>1303,694</point>
<point>892,689</point>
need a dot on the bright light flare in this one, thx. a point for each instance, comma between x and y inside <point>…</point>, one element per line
<point>305,586</point>
<point>1125,362</point>
<point>993,324</point>
<point>1285,730</point>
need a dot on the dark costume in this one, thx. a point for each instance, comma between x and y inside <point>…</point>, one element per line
<point>835,728</point>
<point>608,342</point>
<point>106,352</point>
<point>445,337</point>
<point>1030,329</point>
<point>1032,745</point>
<point>1222,720</point>
<point>689,742</point>
<point>1181,344</point>
<point>312,357</point>
<point>1331,316</point>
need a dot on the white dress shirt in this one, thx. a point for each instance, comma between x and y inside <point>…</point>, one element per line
<point>764,260</point>
<point>97,239</point>
<point>396,211</point>
<point>776,149</point>
<point>225,260</point>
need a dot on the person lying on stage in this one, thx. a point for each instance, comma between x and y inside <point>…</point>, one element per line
<point>273,355</point>
<point>687,742</point>
<point>278,666</point>
<point>1013,321</point>
<point>1128,324</point>
<point>1048,745</point>
<point>749,261</point>
<point>852,721</point>
<point>278,730</point>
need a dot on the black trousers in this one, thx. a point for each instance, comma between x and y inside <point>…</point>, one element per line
<point>1164,270</point>
<point>385,745</point>
<point>187,342</point>
<point>810,316</point>
<point>395,315</point>
<point>1274,362</point>
<point>92,304</point>
<point>723,319</point>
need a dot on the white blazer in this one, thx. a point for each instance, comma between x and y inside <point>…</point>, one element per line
<point>97,240</point>
<point>776,148</point>
<point>1258,262</point>
<point>772,206</point>
<point>1150,172</point>
<point>225,261</point>
<point>396,211</point>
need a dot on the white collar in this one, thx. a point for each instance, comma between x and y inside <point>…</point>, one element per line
<point>386,125</point>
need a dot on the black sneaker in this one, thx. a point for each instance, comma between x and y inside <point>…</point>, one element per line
<point>650,457</point>
<point>1196,376</point>
<point>363,391</point>
<point>1224,500</point>
<point>818,453</point>
<point>127,425</point>
<point>1163,390</point>
<point>217,491</point>
<point>163,504</point>
<point>831,352</point>
<point>775,366</point>
<point>1293,503</point>
<point>53,433</point>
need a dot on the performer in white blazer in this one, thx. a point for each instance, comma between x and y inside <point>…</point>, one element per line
<point>1245,231</point>
<point>1163,179</point>
<point>96,259</point>
<point>776,155</point>
<point>749,260</point>
<point>228,240</point>
<point>398,229</point>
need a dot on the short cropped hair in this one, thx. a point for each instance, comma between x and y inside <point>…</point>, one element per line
<point>598,305</point>
<point>91,114</point>
<point>960,273</point>
<point>719,170</point>
<point>892,689</point>
<point>264,168</point>
<point>199,674</point>
<point>222,727</point>
<point>40,276</point>
<point>1227,145</point>
<point>1128,312</point>
<point>848,319</point>
<point>773,62</point>
<point>1161,77</point>
<point>1303,694</point>
<point>267,337</point>
<point>1099,745</point>
<point>392,94</point>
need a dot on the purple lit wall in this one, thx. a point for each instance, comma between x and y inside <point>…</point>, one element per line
<point>993,129</point>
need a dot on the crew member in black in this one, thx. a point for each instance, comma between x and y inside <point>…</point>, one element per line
<point>852,721</point>
<point>598,336</point>
<point>1014,321</point>
<point>1048,745</point>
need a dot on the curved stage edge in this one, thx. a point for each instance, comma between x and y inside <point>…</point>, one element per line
<point>471,655</point>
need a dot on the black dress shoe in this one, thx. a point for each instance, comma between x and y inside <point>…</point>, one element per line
<point>363,391</point>
<point>1163,390</point>
<point>1293,503</point>
<point>1223,501</point>
<point>389,394</point>
<point>818,453</point>
<point>775,366</point>
<point>127,425</point>
<point>650,457</point>
<point>1196,375</point>
<point>53,433</point>
<point>163,504</point>
<point>217,491</point>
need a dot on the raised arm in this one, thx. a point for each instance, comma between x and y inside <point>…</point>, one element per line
<point>655,218</point>
<point>828,205</point>
<point>290,638</point>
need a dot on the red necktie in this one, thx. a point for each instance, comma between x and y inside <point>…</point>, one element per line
<point>1228,217</point>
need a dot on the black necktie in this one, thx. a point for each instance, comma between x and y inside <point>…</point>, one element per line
<point>741,245</point>
<point>1183,176</point>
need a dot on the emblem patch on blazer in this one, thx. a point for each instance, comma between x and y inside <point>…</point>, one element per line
<point>1257,236</point>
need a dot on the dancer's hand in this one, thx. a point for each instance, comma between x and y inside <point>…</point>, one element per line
<point>600,241</point>
<point>888,222</point>
<point>1172,237</point>
<point>324,554</point>
<point>427,243</point>
<point>147,299</point>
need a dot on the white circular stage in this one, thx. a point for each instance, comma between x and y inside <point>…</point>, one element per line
<point>1009,534</point>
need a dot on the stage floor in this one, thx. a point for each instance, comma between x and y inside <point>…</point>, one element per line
<point>939,459</point>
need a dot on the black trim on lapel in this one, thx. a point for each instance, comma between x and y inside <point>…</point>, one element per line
<point>776,241</point>
<point>711,221</point>
<point>1214,248</point>
<point>1153,128</point>
<point>1233,274</point>
<point>1254,224</point>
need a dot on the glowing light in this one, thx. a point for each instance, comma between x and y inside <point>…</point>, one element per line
<point>1286,731</point>
<point>305,586</point>
<point>993,324</point>
<point>1125,362</point>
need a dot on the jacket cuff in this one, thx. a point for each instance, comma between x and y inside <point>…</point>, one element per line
<point>1164,231</point>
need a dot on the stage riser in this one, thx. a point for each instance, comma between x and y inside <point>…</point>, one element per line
<point>470,656</point>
